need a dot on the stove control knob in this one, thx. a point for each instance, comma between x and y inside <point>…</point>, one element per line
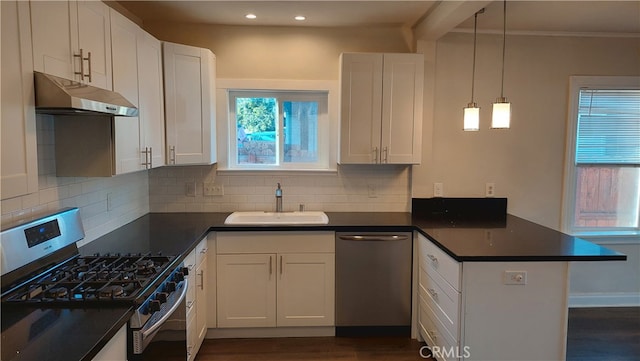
<point>185,271</point>
<point>162,297</point>
<point>179,276</point>
<point>154,306</point>
<point>170,286</point>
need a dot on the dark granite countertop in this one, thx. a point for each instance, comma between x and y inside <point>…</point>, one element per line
<point>78,334</point>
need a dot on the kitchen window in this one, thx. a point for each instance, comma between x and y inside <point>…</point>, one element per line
<point>602,170</point>
<point>278,130</point>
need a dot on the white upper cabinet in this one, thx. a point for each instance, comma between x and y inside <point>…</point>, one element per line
<point>151,99</point>
<point>125,81</point>
<point>137,75</point>
<point>381,108</point>
<point>19,174</point>
<point>105,147</point>
<point>71,39</point>
<point>189,78</point>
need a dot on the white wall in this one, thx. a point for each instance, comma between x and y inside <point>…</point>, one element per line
<point>129,193</point>
<point>526,161</point>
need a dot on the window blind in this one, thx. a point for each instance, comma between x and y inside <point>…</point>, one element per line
<point>608,127</point>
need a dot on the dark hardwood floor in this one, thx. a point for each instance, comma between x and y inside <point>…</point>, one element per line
<point>611,334</point>
<point>595,334</point>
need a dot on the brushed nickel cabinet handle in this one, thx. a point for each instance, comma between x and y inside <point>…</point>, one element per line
<point>88,59</point>
<point>172,154</point>
<point>270,265</point>
<point>386,153</point>
<point>375,154</point>
<point>81,72</point>
<point>432,292</point>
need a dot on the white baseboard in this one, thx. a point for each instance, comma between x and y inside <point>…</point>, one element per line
<point>604,300</point>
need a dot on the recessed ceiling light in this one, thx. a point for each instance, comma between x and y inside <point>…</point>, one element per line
<point>300,18</point>
<point>250,16</point>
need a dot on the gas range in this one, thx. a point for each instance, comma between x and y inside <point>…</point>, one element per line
<point>92,280</point>
<point>42,269</point>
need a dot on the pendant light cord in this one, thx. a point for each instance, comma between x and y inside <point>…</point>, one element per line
<point>504,40</point>
<point>473,69</point>
<point>475,32</point>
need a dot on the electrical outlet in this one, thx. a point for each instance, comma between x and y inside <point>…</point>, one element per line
<point>190,189</point>
<point>490,190</point>
<point>212,189</point>
<point>373,192</point>
<point>438,190</point>
<point>515,277</point>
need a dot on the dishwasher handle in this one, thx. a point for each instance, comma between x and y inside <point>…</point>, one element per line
<point>374,237</point>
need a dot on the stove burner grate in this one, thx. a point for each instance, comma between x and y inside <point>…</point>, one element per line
<point>92,279</point>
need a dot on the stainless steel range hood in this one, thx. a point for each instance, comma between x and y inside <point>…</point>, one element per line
<point>55,95</point>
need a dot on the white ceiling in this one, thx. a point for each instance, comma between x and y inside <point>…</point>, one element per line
<point>617,17</point>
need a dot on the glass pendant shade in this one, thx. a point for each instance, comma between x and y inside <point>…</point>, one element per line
<point>471,117</point>
<point>501,117</point>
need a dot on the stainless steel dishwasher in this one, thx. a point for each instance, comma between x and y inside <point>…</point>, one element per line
<point>373,283</point>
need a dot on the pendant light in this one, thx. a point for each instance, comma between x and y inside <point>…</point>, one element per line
<point>472,112</point>
<point>502,108</point>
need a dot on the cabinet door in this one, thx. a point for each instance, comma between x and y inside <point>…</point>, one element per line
<point>19,150</point>
<point>360,108</point>
<point>201,301</point>
<point>94,36</point>
<point>128,157</point>
<point>402,108</point>
<point>189,89</point>
<point>246,290</point>
<point>306,289</point>
<point>54,25</point>
<point>151,97</point>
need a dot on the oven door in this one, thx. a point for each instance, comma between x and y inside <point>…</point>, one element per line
<point>164,337</point>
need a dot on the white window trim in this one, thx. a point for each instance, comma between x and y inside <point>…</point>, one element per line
<point>222,114</point>
<point>568,197</point>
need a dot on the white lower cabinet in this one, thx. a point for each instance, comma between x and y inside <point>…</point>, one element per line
<point>467,311</point>
<point>275,279</point>
<point>196,262</point>
<point>115,349</point>
<point>19,161</point>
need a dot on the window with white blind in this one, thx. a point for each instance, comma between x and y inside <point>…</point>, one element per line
<point>602,170</point>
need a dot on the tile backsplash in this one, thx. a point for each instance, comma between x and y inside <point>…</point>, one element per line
<point>351,188</point>
<point>105,203</point>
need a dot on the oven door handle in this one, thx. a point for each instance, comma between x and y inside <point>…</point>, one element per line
<point>174,307</point>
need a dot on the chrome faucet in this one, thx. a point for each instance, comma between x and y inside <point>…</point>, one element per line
<point>279,199</point>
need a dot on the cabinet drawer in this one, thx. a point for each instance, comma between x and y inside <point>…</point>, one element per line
<point>201,251</point>
<point>190,264</point>
<point>433,334</point>
<point>432,257</point>
<point>275,242</point>
<point>443,300</point>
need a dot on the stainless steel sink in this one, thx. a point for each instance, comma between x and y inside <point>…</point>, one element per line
<point>258,218</point>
